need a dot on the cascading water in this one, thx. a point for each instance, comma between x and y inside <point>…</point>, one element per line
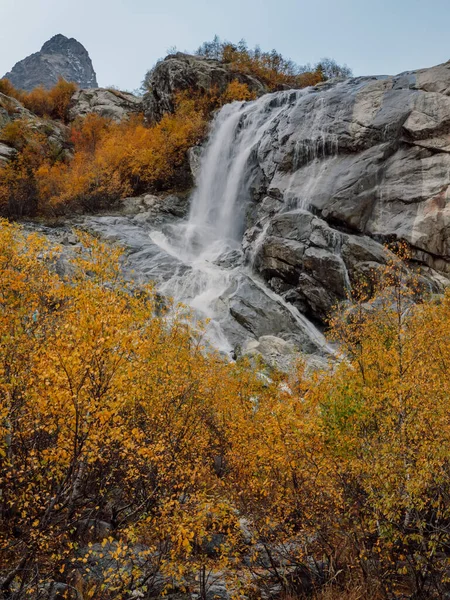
<point>200,262</point>
<point>210,242</point>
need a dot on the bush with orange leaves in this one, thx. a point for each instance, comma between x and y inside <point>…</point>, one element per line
<point>53,103</point>
<point>19,193</point>
<point>271,68</point>
<point>113,160</point>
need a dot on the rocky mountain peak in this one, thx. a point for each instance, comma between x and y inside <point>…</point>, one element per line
<point>59,57</point>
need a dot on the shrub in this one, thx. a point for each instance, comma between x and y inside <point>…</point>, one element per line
<point>113,413</point>
<point>113,160</point>
<point>52,103</point>
<point>18,189</point>
<point>38,101</point>
<point>7,88</point>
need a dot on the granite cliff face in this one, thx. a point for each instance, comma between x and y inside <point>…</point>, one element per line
<point>109,103</point>
<point>343,169</point>
<point>58,57</point>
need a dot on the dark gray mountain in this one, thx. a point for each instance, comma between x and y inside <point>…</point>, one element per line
<point>58,57</point>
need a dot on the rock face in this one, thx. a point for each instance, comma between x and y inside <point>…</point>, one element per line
<point>109,103</point>
<point>343,169</point>
<point>179,72</point>
<point>298,193</point>
<point>58,57</point>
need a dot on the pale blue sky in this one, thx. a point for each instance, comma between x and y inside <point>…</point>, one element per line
<point>126,37</point>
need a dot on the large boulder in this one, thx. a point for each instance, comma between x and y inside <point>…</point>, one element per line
<point>109,103</point>
<point>179,72</point>
<point>59,57</point>
<point>6,153</point>
<point>313,265</point>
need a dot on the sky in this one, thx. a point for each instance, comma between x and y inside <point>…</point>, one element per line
<point>126,37</point>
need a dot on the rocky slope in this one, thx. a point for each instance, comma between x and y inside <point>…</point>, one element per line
<point>58,57</point>
<point>329,175</point>
<point>109,103</point>
<point>12,110</point>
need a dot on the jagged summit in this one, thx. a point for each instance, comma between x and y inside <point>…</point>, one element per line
<point>59,56</point>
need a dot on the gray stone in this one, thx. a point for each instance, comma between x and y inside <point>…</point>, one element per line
<point>6,153</point>
<point>194,156</point>
<point>258,314</point>
<point>58,57</point>
<point>109,103</point>
<point>273,351</point>
<point>349,167</point>
<point>92,530</point>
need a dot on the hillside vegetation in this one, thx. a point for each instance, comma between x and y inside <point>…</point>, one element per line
<point>108,160</point>
<point>271,67</point>
<point>131,461</point>
<point>52,103</point>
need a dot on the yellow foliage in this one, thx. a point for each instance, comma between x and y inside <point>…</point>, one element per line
<point>112,412</point>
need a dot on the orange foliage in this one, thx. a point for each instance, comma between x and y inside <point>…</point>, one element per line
<point>237,91</point>
<point>269,67</point>
<point>52,103</point>
<point>18,190</point>
<point>60,96</point>
<point>113,160</point>
<point>7,88</point>
<point>38,101</point>
<point>87,132</point>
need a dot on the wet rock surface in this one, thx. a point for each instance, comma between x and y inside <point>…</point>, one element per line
<point>297,195</point>
<point>347,168</point>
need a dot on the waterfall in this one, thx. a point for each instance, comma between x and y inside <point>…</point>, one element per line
<point>199,262</point>
<point>210,241</point>
<point>226,174</point>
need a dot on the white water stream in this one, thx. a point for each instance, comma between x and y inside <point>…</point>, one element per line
<point>209,243</point>
<point>199,261</point>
